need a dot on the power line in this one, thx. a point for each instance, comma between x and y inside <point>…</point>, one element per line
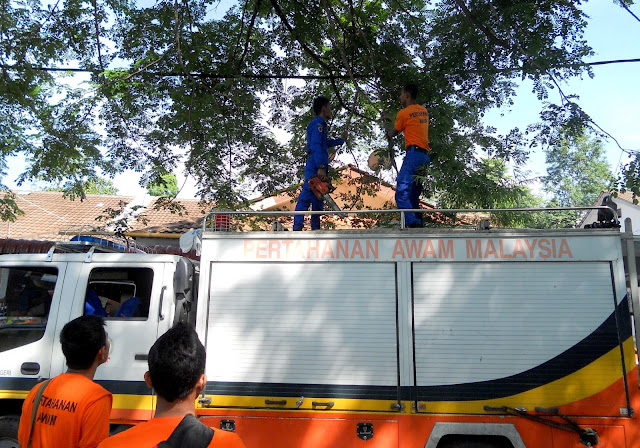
<point>614,61</point>
<point>629,11</point>
<point>307,77</point>
<point>199,74</point>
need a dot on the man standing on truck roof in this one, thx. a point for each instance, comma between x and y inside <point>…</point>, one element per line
<point>413,121</point>
<point>176,373</point>
<point>71,409</point>
<point>318,144</point>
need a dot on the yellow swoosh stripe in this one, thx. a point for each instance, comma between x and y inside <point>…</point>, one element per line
<point>581,384</point>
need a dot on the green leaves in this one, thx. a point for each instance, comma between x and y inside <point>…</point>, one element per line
<point>167,185</point>
<point>9,209</point>
<point>577,171</point>
<point>180,82</point>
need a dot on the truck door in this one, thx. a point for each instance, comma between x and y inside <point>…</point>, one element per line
<point>128,296</point>
<point>30,301</point>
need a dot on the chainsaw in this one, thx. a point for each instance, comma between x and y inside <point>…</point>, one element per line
<point>321,189</point>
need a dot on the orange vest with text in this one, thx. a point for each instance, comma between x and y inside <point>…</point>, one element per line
<point>73,413</point>
<point>413,122</point>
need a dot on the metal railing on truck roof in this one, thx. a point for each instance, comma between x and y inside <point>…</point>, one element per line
<point>220,220</point>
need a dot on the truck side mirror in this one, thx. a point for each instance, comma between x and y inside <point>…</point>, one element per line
<point>183,290</point>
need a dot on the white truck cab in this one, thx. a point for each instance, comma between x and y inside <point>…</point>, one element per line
<point>40,293</point>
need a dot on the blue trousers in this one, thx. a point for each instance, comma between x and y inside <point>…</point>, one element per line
<point>305,199</point>
<point>408,190</point>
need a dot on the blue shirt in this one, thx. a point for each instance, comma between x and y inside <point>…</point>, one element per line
<point>318,144</point>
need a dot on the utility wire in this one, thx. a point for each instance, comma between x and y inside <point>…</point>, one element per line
<point>310,77</point>
<point>613,61</point>
<point>629,11</point>
<point>198,74</point>
<point>566,99</point>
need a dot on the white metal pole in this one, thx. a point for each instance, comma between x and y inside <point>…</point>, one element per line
<point>633,279</point>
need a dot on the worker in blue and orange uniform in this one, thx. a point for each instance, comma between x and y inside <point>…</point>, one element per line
<point>413,122</point>
<point>318,144</point>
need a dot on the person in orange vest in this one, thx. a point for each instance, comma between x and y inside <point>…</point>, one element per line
<point>413,122</point>
<point>176,373</point>
<point>71,410</point>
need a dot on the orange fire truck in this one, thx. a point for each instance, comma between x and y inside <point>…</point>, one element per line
<point>418,338</point>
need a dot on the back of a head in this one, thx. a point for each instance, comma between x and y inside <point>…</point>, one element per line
<point>412,90</point>
<point>176,362</point>
<point>81,340</point>
<point>319,103</point>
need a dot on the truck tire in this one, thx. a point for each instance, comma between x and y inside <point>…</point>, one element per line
<point>9,431</point>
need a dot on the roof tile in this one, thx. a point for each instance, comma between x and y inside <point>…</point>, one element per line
<point>47,213</point>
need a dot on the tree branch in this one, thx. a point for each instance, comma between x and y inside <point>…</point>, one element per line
<point>249,29</point>
<point>97,26</point>
<point>343,55</point>
<point>293,33</point>
<point>150,64</point>
<point>486,31</point>
<point>316,58</point>
<point>235,49</point>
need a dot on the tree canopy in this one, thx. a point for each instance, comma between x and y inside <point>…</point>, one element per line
<point>171,80</point>
<point>577,171</point>
<point>168,186</point>
<point>97,185</point>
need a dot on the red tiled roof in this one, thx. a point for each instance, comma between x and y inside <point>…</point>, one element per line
<point>627,196</point>
<point>378,195</point>
<point>186,215</point>
<point>46,213</point>
<point>354,185</point>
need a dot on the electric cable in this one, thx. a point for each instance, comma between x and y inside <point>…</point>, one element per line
<point>565,98</point>
<point>629,11</point>
<point>287,76</point>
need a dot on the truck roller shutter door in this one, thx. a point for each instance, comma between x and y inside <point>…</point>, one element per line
<point>519,333</point>
<point>325,330</point>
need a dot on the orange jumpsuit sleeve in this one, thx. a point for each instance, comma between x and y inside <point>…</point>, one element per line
<point>95,422</point>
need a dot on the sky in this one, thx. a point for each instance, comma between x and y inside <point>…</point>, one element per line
<point>611,98</point>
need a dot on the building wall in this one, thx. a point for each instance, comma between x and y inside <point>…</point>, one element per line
<point>628,210</point>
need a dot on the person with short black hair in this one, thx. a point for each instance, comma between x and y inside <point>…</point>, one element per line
<point>71,410</point>
<point>176,363</point>
<point>81,339</point>
<point>413,121</point>
<point>176,373</point>
<point>318,144</point>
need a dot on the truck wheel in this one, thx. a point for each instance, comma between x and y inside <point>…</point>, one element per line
<point>9,431</point>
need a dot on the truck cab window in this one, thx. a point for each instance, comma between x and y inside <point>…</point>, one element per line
<point>25,301</point>
<point>119,293</point>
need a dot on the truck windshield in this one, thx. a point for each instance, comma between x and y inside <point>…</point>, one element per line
<point>25,300</point>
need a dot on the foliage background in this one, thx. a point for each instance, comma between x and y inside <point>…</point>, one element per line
<point>174,79</point>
